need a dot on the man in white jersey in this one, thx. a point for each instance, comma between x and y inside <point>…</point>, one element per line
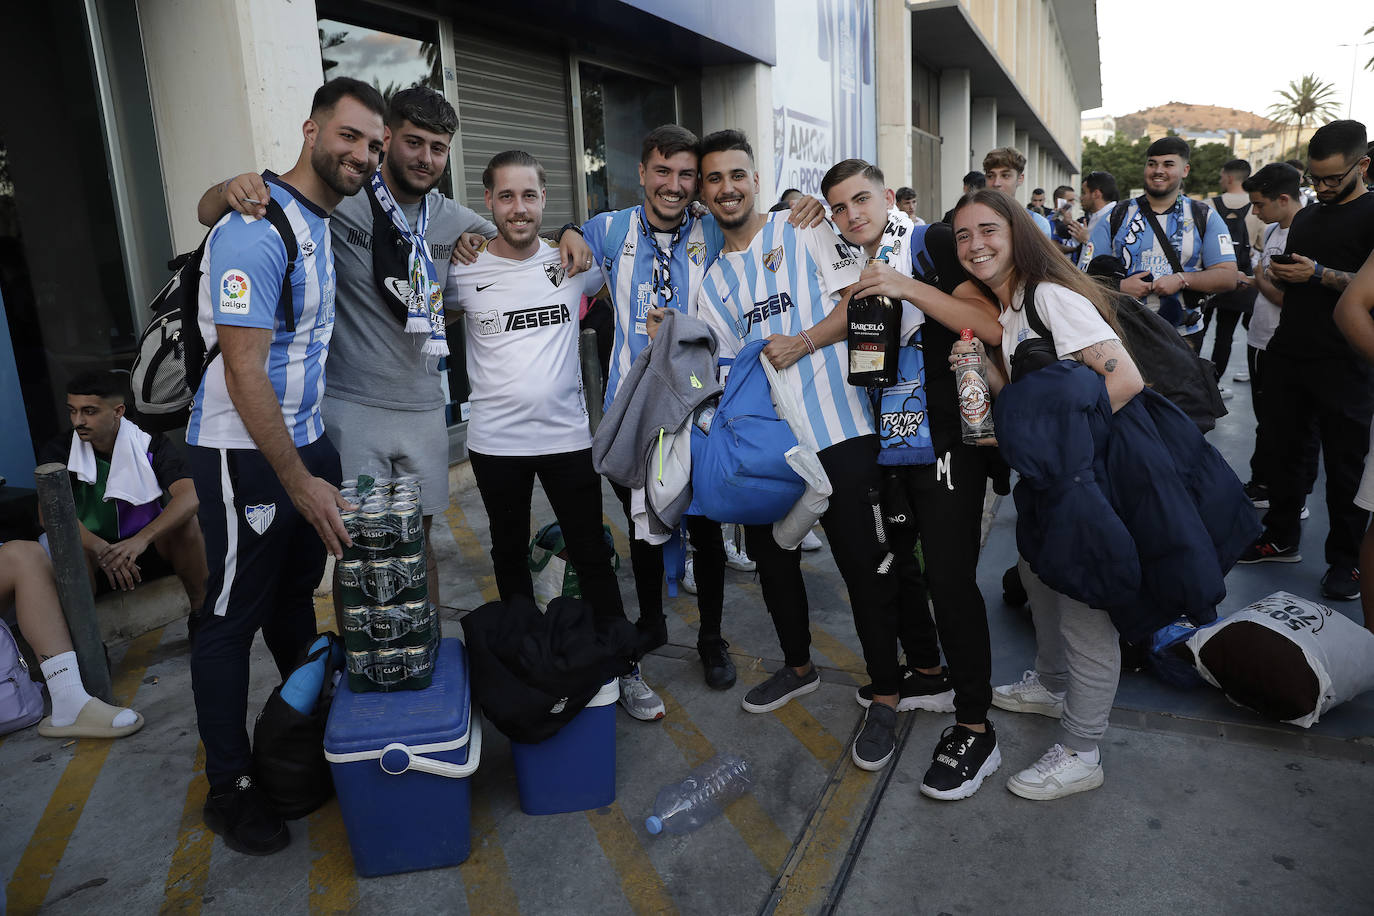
<point>266,475</point>
<point>774,281</point>
<point>384,403</point>
<point>529,414</point>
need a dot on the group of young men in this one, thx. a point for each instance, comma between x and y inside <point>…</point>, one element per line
<point>384,264</point>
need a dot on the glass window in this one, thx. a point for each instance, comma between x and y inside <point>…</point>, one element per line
<point>618,109</point>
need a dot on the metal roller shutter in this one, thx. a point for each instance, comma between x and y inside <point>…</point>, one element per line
<point>514,98</point>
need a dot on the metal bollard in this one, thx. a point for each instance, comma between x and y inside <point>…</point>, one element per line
<point>591,377</point>
<point>58,511</point>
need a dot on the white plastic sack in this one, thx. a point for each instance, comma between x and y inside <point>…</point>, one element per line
<point>1338,652</point>
<point>789,530</point>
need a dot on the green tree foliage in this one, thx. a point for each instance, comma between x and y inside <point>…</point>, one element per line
<point>1125,159</point>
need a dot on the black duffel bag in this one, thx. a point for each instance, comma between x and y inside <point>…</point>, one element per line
<point>288,745</point>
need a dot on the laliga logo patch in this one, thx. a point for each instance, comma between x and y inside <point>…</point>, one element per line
<point>773,259</point>
<point>235,292</point>
<point>696,251</point>
<point>260,517</point>
<point>555,273</point>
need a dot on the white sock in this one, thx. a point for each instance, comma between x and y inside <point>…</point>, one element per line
<point>69,697</point>
<point>1091,757</point>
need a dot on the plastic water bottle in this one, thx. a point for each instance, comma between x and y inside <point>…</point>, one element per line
<point>683,807</point>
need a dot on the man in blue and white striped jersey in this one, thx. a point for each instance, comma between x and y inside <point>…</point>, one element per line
<point>266,474</point>
<point>774,281</point>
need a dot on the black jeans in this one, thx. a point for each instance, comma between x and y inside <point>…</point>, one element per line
<point>946,502</point>
<point>265,560</point>
<point>1338,393</point>
<point>1262,458</point>
<point>708,566</point>
<point>574,490</point>
<point>852,467</point>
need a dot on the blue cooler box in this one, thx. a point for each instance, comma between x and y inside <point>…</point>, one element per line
<point>575,769</point>
<point>401,763</point>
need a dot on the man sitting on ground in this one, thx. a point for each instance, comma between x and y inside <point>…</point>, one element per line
<point>119,476</point>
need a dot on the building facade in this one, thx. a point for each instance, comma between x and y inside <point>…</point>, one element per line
<point>157,99</point>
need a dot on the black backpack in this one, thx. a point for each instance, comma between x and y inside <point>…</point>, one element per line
<point>1240,234</point>
<point>1166,362</point>
<point>171,358</point>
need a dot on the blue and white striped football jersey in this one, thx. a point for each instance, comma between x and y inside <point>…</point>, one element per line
<point>241,285</point>
<point>635,278</point>
<point>787,280</point>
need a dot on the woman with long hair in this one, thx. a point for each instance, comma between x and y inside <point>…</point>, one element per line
<point>1078,657</point>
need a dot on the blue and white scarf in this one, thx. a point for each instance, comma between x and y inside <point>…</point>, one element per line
<point>420,291</point>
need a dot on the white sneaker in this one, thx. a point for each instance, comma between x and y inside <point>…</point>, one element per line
<point>1241,376</point>
<point>1060,772</point>
<point>811,542</point>
<point>689,578</point>
<point>735,557</point>
<point>1226,393</point>
<point>1029,695</point>
<point>1304,515</point>
<point>639,698</point>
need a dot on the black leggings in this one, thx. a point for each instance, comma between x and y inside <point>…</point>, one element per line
<point>946,503</point>
<point>849,527</point>
<point>708,566</point>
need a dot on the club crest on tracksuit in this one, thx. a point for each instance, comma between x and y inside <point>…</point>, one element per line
<point>260,517</point>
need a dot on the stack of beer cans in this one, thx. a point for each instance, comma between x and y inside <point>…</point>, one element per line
<point>391,630</point>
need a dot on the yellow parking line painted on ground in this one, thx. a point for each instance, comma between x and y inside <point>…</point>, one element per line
<point>806,728</point>
<point>640,882</point>
<point>189,872</point>
<point>33,875</point>
<point>486,876</point>
<point>768,842</point>
<point>333,881</point>
<point>819,853</point>
<point>471,549</point>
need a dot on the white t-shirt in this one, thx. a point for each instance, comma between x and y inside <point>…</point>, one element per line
<point>1072,321</point>
<point>520,323</point>
<point>1264,320</point>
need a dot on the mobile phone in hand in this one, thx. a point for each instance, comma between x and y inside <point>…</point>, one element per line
<point>1282,259</point>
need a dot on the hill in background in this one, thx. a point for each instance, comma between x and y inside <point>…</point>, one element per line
<point>1202,118</point>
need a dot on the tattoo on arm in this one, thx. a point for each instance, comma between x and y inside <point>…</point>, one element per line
<point>1336,279</point>
<point>1110,365</point>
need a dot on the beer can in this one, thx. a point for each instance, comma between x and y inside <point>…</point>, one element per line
<point>406,480</point>
<point>422,618</point>
<point>349,484</point>
<point>413,578</point>
<point>355,622</point>
<point>400,494</point>
<point>359,662</point>
<point>350,573</point>
<point>380,580</point>
<point>389,668</point>
<point>350,494</point>
<point>387,623</point>
<point>359,672</point>
<point>374,527</point>
<point>419,667</point>
<point>406,518</point>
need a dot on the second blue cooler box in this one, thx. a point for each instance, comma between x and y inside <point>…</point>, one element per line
<point>575,769</point>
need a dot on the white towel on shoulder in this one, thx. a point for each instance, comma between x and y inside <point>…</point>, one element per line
<point>131,474</point>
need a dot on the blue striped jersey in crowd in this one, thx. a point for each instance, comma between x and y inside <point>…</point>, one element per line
<point>240,285</point>
<point>635,274</point>
<point>786,281</point>
<point>844,31</point>
<point>1135,244</point>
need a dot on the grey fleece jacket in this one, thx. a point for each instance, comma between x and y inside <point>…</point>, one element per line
<point>669,379</point>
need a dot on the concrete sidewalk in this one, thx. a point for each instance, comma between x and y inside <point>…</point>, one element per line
<point>1206,808</point>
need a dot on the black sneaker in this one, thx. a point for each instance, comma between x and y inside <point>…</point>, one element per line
<point>1258,493</point>
<point>1341,583</point>
<point>962,760</point>
<point>244,818</point>
<point>1263,551</point>
<point>652,634</point>
<point>716,663</point>
<point>1013,591</point>
<point>918,691</point>
<point>877,740</point>
<point>782,686</point>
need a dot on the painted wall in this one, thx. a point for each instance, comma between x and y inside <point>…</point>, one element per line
<point>16,450</point>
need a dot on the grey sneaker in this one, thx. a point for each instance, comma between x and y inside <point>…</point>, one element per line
<point>782,686</point>
<point>877,741</point>
<point>639,698</point>
<point>1029,695</point>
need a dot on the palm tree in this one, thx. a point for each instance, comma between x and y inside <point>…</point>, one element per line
<point>1306,99</point>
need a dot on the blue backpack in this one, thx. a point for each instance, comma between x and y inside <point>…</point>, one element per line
<point>739,474</point>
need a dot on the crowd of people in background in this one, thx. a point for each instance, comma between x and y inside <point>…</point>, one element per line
<point>379,264</point>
